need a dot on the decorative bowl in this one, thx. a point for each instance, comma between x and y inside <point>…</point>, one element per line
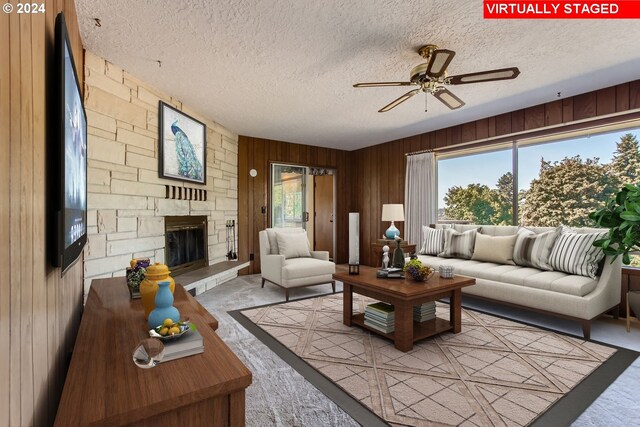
<point>417,271</point>
<point>184,328</point>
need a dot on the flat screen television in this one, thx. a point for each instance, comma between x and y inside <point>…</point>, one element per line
<point>69,155</point>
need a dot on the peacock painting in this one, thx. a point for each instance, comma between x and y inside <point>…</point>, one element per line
<point>188,164</point>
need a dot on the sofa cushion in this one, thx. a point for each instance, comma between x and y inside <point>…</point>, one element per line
<point>432,241</point>
<point>298,268</point>
<point>271,236</point>
<point>533,250</point>
<point>458,245</point>
<point>574,253</point>
<point>293,245</point>
<point>498,249</point>
<point>558,281</point>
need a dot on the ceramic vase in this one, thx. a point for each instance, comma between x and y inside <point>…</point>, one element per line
<point>164,308</point>
<point>149,286</point>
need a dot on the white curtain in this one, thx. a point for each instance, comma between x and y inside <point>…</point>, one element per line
<point>419,196</point>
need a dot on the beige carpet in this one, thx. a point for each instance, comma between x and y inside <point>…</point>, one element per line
<point>494,373</point>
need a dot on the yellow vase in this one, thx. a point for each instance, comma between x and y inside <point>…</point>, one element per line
<point>149,286</point>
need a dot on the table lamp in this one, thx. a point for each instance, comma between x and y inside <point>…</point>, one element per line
<point>392,213</point>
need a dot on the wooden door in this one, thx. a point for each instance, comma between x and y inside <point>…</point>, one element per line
<point>323,213</point>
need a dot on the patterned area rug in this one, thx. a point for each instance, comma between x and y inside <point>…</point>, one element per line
<point>496,372</point>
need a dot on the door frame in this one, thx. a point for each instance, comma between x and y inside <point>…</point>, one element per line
<point>335,195</point>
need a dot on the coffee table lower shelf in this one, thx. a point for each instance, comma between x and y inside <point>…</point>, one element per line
<point>421,330</point>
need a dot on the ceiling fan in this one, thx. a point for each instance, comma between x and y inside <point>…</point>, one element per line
<point>431,77</point>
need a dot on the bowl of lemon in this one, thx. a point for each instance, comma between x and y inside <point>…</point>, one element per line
<point>170,330</point>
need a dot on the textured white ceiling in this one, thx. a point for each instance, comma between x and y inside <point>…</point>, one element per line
<point>284,70</point>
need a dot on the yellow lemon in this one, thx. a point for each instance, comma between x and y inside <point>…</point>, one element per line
<point>164,331</point>
<point>174,330</point>
<point>167,322</point>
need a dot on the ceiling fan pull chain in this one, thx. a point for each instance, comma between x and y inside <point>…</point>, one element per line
<point>426,98</point>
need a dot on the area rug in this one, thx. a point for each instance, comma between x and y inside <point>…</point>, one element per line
<point>496,372</point>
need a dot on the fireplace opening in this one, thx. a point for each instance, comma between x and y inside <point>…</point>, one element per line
<point>185,243</point>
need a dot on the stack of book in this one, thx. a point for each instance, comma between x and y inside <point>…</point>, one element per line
<point>188,345</point>
<point>380,316</point>
<point>424,312</point>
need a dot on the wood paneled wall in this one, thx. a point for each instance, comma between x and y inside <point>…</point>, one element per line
<point>256,153</point>
<point>39,311</point>
<point>379,170</point>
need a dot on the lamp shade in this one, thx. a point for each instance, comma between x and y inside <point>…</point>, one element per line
<point>393,212</point>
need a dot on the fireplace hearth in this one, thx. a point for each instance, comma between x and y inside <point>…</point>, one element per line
<point>185,243</point>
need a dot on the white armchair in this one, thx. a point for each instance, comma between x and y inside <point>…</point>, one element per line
<point>293,266</point>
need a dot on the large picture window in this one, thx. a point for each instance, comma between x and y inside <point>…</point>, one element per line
<point>556,181</point>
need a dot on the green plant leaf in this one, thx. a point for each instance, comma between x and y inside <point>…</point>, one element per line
<point>630,216</point>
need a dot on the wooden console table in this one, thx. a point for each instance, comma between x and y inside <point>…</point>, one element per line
<point>105,388</point>
<point>376,250</point>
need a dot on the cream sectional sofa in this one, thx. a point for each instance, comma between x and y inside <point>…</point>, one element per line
<point>552,292</point>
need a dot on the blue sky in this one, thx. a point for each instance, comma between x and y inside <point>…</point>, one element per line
<point>488,167</point>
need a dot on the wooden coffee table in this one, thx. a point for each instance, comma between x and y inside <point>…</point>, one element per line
<point>404,294</point>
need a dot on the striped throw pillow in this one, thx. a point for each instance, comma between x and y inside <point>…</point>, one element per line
<point>432,241</point>
<point>533,250</point>
<point>574,253</point>
<point>459,245</point>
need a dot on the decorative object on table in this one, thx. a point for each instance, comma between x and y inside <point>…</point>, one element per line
<point>164,308</point>
<point>135,275</point>
<point>380,316</point>
<point>390,273</point>
<point>385,257</point>
<point>155,273</point>
<point>170,330</point>
<point>446,271</point>
<point>633,303</point>
<point>354,243</point>
<point>182,146</point>
<point>148,353</point>
<point>392,213</point>
<point>191,344</point>
<point>398,254</point>
<point>418,271</point>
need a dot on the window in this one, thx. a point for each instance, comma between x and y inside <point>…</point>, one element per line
<point>559,181</point>
<point>477,187</point>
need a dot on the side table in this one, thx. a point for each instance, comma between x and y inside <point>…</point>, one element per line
<point>376,250</point>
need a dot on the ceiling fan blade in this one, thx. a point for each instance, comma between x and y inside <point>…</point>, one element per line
<point>439,61</point>
<point>398,101</point>
<point>382,84</point>
<point>448,99</point>
<point>484,76</point>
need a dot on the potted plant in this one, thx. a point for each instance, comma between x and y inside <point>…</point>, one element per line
<point>621,215</point>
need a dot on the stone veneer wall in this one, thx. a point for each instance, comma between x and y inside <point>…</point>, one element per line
<point>126,199</point>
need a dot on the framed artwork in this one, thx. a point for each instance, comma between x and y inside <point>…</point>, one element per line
<point>182,146</point>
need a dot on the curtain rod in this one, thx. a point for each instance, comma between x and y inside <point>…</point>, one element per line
<point>413,153</point>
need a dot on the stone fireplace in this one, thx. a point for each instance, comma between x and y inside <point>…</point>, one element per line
<point>185,243</point>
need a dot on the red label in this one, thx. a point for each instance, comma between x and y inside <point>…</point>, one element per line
<point>628,9</point>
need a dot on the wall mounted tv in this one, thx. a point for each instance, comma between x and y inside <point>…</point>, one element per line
<point>68,155</point>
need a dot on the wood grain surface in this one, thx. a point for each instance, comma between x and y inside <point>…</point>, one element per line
<point>105,387</point>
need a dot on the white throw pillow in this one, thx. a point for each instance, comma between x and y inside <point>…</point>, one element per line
<point>574,253</point>
<point>498,249</point>
<point>432,241</point>
<point>271,235</point>
<point>293,245</point>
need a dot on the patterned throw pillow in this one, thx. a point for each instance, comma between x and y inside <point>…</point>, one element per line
<point>432,241</point>
<point>459,245</point>
<point>533,250</point>
<point>574,253</point>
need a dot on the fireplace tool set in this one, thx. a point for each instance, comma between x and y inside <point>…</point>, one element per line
<point>231,239</point>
